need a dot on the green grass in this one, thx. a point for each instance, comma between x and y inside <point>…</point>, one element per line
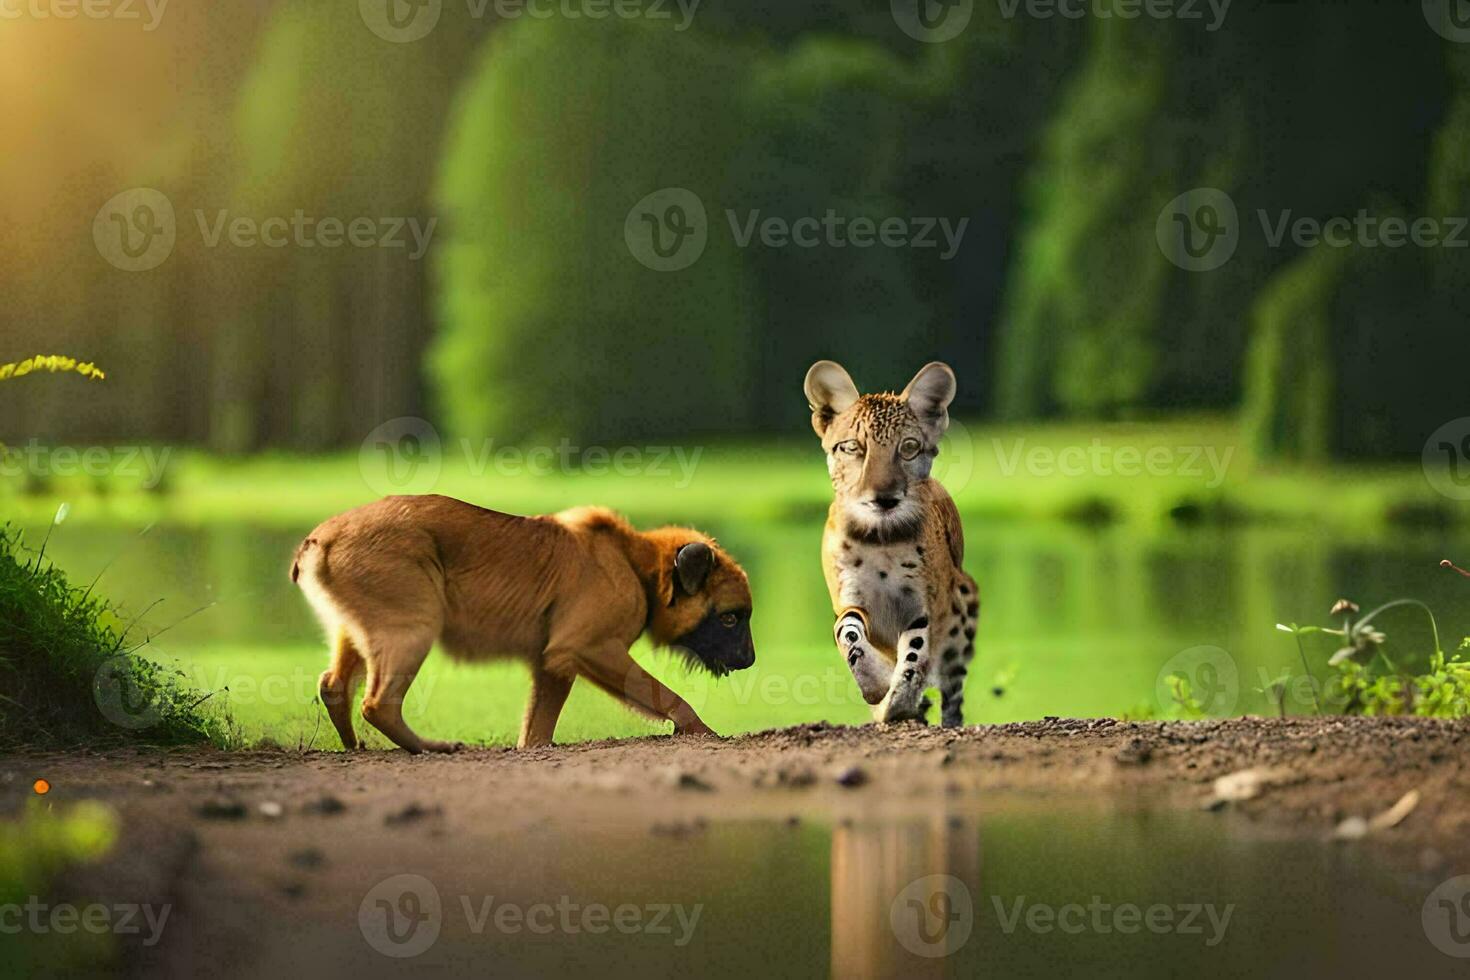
<point>1092,581</point>
<point>70,671</point>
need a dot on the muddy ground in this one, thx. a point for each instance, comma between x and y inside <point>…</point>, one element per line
<point>265,854</point>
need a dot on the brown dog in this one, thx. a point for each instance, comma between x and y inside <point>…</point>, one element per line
<point>568,593</point>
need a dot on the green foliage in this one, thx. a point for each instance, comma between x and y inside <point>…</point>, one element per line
<point>63,656</point>
<point>42,841</point>
<point>1363,680</point>
<point>1290,380</point>
<point>550,325</point>
<point>37,844</point>
<point>1182,694</point>
<point>1097,321</point>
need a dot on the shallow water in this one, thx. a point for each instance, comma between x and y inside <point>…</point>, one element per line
<point>1016,888</point>
<point>1076,621</point>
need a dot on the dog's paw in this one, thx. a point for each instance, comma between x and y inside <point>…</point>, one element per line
<point>436,746</point>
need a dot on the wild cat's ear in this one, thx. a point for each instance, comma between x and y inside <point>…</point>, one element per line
<point>929,395</point>
<point>829,392</point>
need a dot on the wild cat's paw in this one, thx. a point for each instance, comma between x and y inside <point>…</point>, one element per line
<point>893,710</point>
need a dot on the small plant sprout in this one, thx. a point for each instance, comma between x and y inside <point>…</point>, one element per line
<point>1183,695</point>
<point>1442,692</point>
<point>1453,567</point>
<point>1275,689</point>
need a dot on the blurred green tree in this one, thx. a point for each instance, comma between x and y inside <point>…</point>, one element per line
<point>551,326</point>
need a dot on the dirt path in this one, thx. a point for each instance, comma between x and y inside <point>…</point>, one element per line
<point>252,890</point>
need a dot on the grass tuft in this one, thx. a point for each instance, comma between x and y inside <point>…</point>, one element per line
<point>68,675</point>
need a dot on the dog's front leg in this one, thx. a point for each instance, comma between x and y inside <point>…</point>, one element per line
<point>616,672</point>
<point>905,698</point>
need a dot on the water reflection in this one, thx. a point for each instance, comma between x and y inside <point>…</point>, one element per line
<point>902,892</point>
<point>1115,887</point>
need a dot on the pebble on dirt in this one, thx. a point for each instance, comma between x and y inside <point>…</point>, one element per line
<point>412,813</point>
<point>222,809</point>
<point>852,777</point>
<point>327,806</point>
<point>307,858</point>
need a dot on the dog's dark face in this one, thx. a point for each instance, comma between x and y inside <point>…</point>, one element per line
<point>706,607</point>
<point>721,642</point>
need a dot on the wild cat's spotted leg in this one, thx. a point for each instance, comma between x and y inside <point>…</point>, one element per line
<point>905,699</point>
<point>959,650</point>
<point>868,669</point>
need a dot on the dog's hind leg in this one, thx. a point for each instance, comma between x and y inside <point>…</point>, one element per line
<point>337,685</point>
<point>393,661</point>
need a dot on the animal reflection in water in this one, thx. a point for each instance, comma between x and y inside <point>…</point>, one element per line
<point>903,895</point>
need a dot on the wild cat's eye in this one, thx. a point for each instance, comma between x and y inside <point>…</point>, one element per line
<point>851,447</point>
<point>728,620</point>
<point>909,448</point>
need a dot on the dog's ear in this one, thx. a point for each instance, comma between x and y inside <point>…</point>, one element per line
<point>692,565</point>
<point>829,392</point>
<point>929,395</point>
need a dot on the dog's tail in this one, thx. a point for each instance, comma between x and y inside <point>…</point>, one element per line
<point>301,553</point>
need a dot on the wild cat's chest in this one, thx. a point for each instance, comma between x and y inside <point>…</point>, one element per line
<point>891,582</point>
